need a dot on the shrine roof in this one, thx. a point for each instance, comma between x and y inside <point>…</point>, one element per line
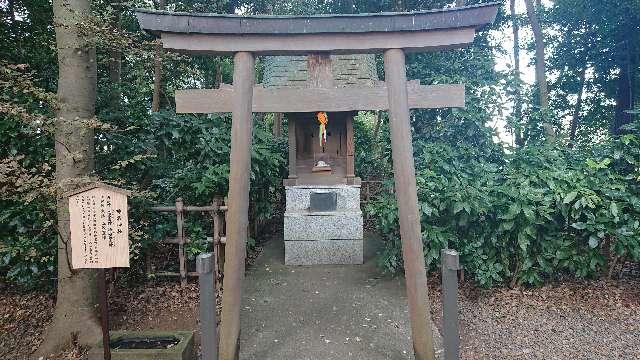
<point>475,16</point>
<point>96,185</point>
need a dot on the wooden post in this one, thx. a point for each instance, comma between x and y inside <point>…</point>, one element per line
<point>208,322</point>
<point>104,314</point>
<point>216,216</point>
<point>319,70</point>
<point>180,238</point>
<point>277,124</point>
<point>351,171</point>
<point>238,204</point>
<point>407,199</point>
<point>291,125</point>
<point>451,335</point>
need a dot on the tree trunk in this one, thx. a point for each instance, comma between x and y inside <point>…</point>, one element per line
<point>517,107</point>
<point>157,70</point>
<point>576,112</point>
<point>115,63</point>
<point>75,317</point>
<point>624,94</point>
<point>277,124</point>
<point>540,69</point>
<point>399,5</point>
<point>11,10</point>
<point>376,133</point>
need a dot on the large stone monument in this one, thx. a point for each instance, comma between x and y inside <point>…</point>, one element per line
<point>323,219</point>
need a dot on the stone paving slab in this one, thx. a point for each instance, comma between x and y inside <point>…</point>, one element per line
<point>324,312</point>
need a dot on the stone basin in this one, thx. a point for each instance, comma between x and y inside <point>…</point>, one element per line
<point>148,345</point>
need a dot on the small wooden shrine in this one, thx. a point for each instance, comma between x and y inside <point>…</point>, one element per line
<point>320,71</point>
<point>323,220</point>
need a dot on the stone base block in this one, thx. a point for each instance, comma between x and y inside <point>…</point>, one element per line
<point>323,226</point>
<point>323,252</point>
<point>347,199</point>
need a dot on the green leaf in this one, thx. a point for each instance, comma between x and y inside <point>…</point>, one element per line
<point>523,241</point>
<point>570,196</point>
<point>528,212</point>
<point>579,225</point>
<point>614,209</point>
<point>529,230</point>
<point>457,207</point>
<point>593,241</point>
<point>514,210</point>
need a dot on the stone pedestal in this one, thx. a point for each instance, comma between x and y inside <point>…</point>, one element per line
<point>330,236</point>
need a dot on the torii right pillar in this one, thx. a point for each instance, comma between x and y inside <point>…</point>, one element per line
<point>404,175</point>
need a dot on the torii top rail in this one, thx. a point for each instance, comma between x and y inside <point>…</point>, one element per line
<point>390,33</point>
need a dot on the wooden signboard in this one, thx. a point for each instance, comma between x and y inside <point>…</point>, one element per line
<point>99,227</point>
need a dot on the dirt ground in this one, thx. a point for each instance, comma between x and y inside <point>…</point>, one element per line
<point>576,320</point>
<point>572,320</point>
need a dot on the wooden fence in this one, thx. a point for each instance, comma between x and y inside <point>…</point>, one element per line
<point>217,210</point>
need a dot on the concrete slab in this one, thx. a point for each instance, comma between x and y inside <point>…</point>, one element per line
<point>324,312</point>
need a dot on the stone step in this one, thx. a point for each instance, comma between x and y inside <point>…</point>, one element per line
<point>323,252</point>
<point>304,225</point>
<point>348,196</point>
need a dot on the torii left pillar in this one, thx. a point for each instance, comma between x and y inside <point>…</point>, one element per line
<point>238,204</point>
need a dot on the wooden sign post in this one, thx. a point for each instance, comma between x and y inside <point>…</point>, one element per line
<point>99,226</point>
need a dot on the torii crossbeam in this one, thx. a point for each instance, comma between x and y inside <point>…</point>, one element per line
<point>244,37</point>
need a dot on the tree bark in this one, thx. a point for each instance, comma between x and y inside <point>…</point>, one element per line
<point>11,10</point>
<point>517,107</point>
<point>540,69</point>
<point>157,70</point>
<point>277,124</point>
<point>75,317</point>
<point>399,5</point>
<point>624,94</point>
<point>376,129</point>
<point>376,134</point>
<point>115,63</point>
<point>576,112</point>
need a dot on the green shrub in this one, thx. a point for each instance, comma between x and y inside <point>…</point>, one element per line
<point>28,243</point>
<point>539,214</point>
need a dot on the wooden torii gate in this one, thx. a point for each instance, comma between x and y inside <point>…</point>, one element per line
<point>244,37</point>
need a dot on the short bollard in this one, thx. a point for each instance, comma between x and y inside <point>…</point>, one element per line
<point>451,337</point>
<point>208,323</point>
